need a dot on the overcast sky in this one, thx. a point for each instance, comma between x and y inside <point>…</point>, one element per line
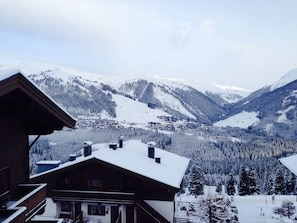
<point>245,43</point>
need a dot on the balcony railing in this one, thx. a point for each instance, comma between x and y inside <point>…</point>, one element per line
<point>29,200</point>
<point>78,195</point>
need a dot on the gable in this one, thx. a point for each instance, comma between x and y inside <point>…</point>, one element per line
<point>21,100</point>
<point>95,175</point>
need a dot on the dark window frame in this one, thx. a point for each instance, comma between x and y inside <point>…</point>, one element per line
<point>96,209</point>
<point>65,206</point>
<point>95,184</point>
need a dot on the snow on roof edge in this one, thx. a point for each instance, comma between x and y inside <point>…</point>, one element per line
<point>7,73</point>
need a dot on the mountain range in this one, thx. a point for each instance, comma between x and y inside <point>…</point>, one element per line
<point>270,110</point>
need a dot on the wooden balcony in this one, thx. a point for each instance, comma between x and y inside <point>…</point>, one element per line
<point>29,200</point>
<point>93,196</point>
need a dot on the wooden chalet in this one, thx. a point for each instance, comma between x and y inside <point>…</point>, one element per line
<point>25,110</point>
<point>124,182</point>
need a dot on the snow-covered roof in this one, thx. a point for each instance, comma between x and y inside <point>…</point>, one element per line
<point>290,162</point>
<point>134,157</point>
<point>4,74</point>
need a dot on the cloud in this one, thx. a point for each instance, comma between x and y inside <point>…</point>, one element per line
<point>175,79</point>
<point>181,34</point>
<point>207,26</point>
<point>150,37</point>
<point>89,24</point>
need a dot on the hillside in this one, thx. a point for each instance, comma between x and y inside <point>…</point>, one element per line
<point>271,109</point>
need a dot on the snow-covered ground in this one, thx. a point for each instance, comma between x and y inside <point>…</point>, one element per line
<point>251,209</point>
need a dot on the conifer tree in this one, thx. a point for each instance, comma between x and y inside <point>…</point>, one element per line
<point>196,181</point>
<point>231,185</point>
<point>280,184</point>
<point>253,188</point>
<point>243,188</point>
<point>219,188</point>
<point>291,184</point>
<point>269,188</point>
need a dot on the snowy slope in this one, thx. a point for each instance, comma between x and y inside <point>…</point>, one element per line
<point>175,98</point>
<point>284,80</point>
<point>133,112</point>
<point>241,120</point>
<point>271,109</point>
<point>92,92</point>
<point>230,94</point>
<point>170,101</point>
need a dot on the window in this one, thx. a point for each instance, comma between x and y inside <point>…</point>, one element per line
<point>96,209</point>
<point>68,182</point>
<point>65,206</point>
<point>95,184</point>
<point>4,179</point>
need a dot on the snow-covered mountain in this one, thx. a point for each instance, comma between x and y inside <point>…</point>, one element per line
<point>284,80</point>
<point>176,98</point>
<point>133,101</point>
<point>224,95</point>
<point>271,109</point>
<point>87,94</point>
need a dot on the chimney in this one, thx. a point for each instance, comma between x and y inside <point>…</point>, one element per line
<point>151,150</point>
<point>121,139</point>
<point>113,146</point>
<point>87,148</point>
<point>72,157</point>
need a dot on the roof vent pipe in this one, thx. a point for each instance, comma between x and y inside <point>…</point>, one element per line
<point>121,140</point>
<point>158,160</point>
<point>87,148</point>
<point>151,150</point>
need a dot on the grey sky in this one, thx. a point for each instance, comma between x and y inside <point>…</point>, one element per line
<point>244,43</point>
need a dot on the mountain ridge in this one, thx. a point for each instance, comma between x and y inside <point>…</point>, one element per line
<point>272,108</point>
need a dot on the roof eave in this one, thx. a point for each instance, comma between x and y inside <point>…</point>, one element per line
<point>21,82</point>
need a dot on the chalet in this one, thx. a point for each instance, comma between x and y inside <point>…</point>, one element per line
<point>25,110</point>
<point>124,182</point>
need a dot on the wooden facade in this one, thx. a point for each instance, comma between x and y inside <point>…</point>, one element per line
<point>25,110</point>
